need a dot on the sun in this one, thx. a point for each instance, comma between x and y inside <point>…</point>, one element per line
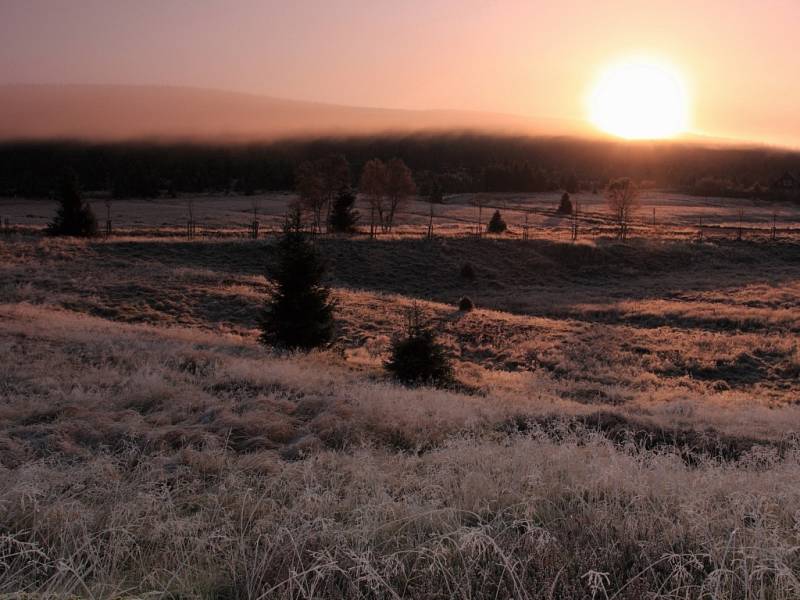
<point>640,99</point>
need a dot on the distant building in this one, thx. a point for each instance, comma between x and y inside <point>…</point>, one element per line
<point>788,182</point>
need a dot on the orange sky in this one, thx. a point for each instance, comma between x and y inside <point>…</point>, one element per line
<point>739,58</point>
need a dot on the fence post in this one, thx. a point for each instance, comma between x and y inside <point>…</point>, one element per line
<point>700,229</point>
<point>254,229</point>
<point>739,230</point>
<point>774,226</point>
<point>575,222</point>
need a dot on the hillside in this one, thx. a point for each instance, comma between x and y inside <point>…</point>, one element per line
<point>114,113</point>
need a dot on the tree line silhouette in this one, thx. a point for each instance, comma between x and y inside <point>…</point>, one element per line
<point>455,163</point>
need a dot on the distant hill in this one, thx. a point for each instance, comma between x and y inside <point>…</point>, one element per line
<point>109,113</point>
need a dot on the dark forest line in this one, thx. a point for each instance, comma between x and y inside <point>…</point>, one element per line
<point>458,162</point>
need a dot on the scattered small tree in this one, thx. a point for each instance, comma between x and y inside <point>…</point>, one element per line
<point>565,206</point>
<point>435,196</point>
<point>255,206</point>
<point>465,304</point>
<point>74,216</point>
<point>496,223</point>
<point>299,315</point>
<point>622,196</point>
<point>418,358</point>
<point>344,217</point>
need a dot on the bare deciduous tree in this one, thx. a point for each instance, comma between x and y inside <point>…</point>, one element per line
<point>399,186</point>
<point>435,196</point>
<point>318,182</point>
<point>622,196</point>
<point>308,182</point>
<point>373,186</point>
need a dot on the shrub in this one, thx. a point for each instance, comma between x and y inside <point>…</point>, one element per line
<point>496,223</point>
<point>299,316</point>
<point>344,217</point>
<point>74,216</point>
<point>418,358</point>
<point>467,271</point>
<point>465,304</point>
<point>565,206</point>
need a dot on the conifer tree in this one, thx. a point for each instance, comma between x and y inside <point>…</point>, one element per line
<point>74,216</point>
<point>418,357</point>
<point>299,315</point>
<point>496,223</point>
<point>343,216</point>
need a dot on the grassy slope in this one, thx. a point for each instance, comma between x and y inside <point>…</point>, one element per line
<point>160,454</point>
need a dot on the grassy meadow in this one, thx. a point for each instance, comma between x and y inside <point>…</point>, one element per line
<point>625,424</point>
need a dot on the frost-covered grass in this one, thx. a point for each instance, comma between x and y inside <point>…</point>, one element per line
<point>627,427</point>
<point>145,460</point>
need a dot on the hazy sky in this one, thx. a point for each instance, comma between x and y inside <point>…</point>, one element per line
<point>740,58</point>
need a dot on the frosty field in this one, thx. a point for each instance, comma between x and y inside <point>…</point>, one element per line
<point>624,427</point>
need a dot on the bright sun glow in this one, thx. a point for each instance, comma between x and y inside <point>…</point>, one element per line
<point>640,99</point>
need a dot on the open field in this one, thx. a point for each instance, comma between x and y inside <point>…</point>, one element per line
<point>626,425</point>
<point>676,215</point>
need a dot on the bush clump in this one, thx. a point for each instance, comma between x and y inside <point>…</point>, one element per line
<point>465,304</point>
<point>74,216</point>
<point>299,315</point>
<point>496,223</point>
<point>418,358</point>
